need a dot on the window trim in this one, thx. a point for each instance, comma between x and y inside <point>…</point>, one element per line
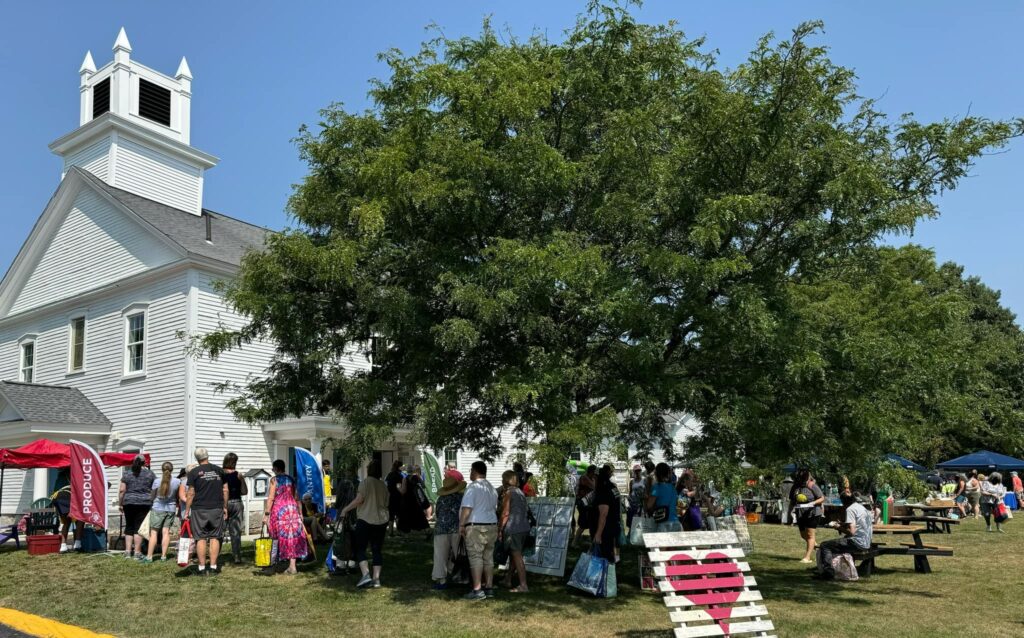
<point>126,316</point>
<point>72,318</point>
<point>25,340</point>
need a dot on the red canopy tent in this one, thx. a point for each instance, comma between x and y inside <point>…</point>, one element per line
<point>45,453</point>
<point>50,454</point>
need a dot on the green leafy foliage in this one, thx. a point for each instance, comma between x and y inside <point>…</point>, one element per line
<point>569,240</point>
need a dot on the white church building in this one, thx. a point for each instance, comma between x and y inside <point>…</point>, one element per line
<point>119,269</point>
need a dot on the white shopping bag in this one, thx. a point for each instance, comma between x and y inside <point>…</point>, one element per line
<point>185,545</point>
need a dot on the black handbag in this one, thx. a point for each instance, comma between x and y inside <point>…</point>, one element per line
<point>660,514</point>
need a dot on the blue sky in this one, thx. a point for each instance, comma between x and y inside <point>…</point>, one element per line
<point>263,68</point>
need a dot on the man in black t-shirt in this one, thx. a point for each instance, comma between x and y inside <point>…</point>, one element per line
<point>206,509</point>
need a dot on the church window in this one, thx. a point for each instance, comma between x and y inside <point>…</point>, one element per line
<point>28,361</point>
<point>76,358</point>
<point>136,343</point>
<point>154,102</point>
<point>101,98</point>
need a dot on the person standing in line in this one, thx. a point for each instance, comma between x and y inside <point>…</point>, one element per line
<point>283,518</point>
<point>372,519</point>
<point>452,470</point>
<point>958,495</point>
<point>344,527</point>
<point>992,493</point>
<point>607,520</point>
<point>1018,489</point>
<point>416,508</point>
<point>637,487</point>
<point>183,492</point>
<point>161,517</point>
<point>973,493</point>
<point>662,500</point>
<point>206,509</point>
<point>446,529</point>
<point>396,484</point>
<point>236,510</point>
<point>135,499</point>
<point>513,529</point>
<point>478,522</point>
<point>807,500</point>
<point>584,509</point>
<point>328,486</point>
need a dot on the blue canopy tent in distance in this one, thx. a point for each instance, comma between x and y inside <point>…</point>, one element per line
<point>905,463</point>
<point>982,460</point>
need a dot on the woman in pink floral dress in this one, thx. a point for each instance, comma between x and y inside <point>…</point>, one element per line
<point>284,518</point>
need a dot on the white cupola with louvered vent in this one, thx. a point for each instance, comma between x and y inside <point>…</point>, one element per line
<point>135,128</point>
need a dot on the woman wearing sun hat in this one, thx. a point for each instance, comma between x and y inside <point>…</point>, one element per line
<point>446,529</point>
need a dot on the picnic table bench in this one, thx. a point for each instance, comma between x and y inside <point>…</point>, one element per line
<point>918,549</point>
<point>935,524</point>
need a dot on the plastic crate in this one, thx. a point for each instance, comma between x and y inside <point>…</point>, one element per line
<point>43,544</point>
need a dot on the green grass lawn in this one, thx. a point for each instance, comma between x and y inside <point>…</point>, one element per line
<point>976,592</point>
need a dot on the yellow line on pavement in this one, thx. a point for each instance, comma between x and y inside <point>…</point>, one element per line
<point>43,627</point>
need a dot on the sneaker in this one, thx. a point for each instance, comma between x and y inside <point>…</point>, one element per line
<point>63,548</point>
<point>139,557</point>
<point>476,594</point>
<point>77,546</point>
<point>214,570</point>
<point>146,560</point>
<point>365,581</point>
<point>128,556</point>
<point>440,586</point>
<point>163,558</point>
<point>489,592</point>
<point>376,584</point>
<point>201,572</point>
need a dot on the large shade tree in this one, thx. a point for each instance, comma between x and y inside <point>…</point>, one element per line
<point>891,353</point>
<point>571,239</point>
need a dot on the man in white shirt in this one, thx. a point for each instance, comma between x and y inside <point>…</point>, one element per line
<point>856,530</point>
<point>478,524</point>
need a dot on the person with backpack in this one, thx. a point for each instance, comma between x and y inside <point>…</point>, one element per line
<point>807,499</point>
<point>856,535</point>
<point>236,510</point>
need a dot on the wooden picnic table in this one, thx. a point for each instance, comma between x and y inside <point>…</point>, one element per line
<point>917,549</point>
<point>935,524</point>
<point>924,509</point>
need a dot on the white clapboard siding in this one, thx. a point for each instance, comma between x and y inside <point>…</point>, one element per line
<point>707,591</point>
<point>94,158</point>
<point>151,174</point>
<point>95,245</point>
<point>238,366</point>
<point>149,410</point>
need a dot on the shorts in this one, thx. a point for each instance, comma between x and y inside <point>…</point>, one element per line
<point>134,515</point>
<point>809,521</point>
<point>206,524</point>
<point>960,499</point>
<point>160,520</point>
<point>514,542</point>
<point>480,541</point>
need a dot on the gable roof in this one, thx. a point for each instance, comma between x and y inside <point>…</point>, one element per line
<point>51,404</point>
<point>230,238</point>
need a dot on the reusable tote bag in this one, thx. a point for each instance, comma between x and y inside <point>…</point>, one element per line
<point>590,573</point>
<point>184,545</point>
<point>641,525</point>
<point>264,545</point>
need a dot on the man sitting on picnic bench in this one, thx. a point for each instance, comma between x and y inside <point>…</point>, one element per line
<point>856,530</point>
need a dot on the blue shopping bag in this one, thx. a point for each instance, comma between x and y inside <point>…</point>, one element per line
<point>590,573</point>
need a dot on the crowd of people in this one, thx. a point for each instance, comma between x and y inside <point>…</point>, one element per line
<point>473,524</point>
<point>972,494</point>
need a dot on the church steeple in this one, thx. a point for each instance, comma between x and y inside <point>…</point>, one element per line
<point>135,130</point>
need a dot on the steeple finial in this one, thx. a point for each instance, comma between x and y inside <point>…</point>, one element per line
<point>88,66</point>
<point>183,70</point>
<point>122,41</point>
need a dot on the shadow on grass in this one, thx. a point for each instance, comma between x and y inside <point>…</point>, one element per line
<point>406,575</point>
